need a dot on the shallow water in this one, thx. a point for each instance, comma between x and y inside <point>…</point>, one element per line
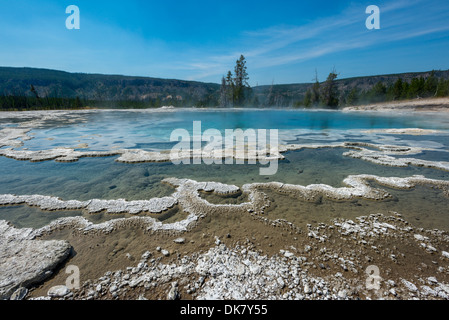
<point>108,130</point>
<point>104,178</point>
<point>422,206</point>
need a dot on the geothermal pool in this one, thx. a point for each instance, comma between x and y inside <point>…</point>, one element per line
<point>318,155</point>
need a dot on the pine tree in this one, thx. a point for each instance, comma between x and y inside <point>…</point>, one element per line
<point>329,92</point>
<point>315,91</point>
<point>230,88</point>
<point>353,97</point>
<point>307,102</point>
<point>270,96</point>
<point>78,103</point>
<point>442,88</point>
<point>378,92</point>
<point>33,90</point>
<point>223,100</point>
<point>416,88</point>
<point>398,86</point>
<point>240,80</point>
<point>430,85</point>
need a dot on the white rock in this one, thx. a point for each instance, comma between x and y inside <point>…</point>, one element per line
<point>240,269</point>
<point>342,294</point>
<point>113,288</point>
<point>179,240</point>
<point>432,280</point>
<point>307,289</point>
<point>420,237</point>
<point>427,291</point>
<point>410,286</point>
<point>255,269</point>
<point>58,291</point>
<point>25,261</point>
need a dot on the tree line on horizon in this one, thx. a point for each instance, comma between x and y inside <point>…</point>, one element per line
<point>235,91</point>
<point>328,95</point>
<point>32,101</point>
<point>22,102</point>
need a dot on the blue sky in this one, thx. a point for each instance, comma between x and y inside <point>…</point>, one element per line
<point>283,41</point>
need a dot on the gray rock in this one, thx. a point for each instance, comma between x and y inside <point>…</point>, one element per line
<point>173,294</point>
<point>146,255</point>
<point>19,294</point>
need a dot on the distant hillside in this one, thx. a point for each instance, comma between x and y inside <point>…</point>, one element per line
<point>289,93</point>
<point>17,81</point>
<point>146,91</point>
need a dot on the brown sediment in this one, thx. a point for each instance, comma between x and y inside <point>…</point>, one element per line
<point>238,256</point>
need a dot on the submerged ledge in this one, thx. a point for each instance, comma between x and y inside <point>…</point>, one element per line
<point>155,205</point>
<point>187,196</point>
<point>406,131</point>
<point>375,153</point>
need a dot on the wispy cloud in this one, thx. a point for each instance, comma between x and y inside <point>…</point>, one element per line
<point>112,45</point>
<point>283,45</point>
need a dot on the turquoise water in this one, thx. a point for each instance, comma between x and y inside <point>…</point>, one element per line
<point>150,130</point>
<point>104,178</point>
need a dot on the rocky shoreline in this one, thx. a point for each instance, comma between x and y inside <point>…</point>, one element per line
<point>222,264</point>
<point>419,105</point>
<point>332,263</point>
<point>224,251</point>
